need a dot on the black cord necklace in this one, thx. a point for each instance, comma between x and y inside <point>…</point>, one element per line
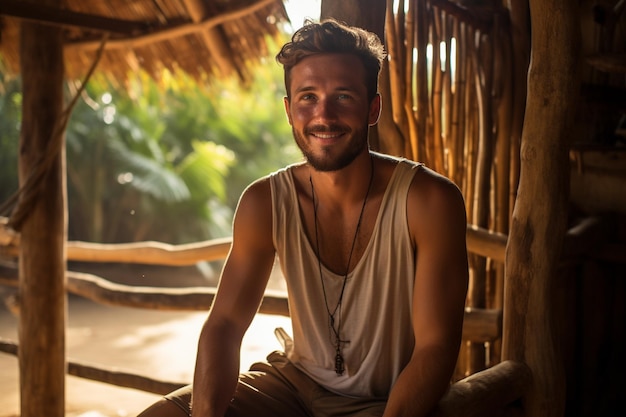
<point>336,330</point>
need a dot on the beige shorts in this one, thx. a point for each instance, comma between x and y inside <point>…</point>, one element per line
<point>278,389</point>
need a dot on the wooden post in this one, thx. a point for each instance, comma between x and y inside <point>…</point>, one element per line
<point>42,297</point>
<point>540,213</point>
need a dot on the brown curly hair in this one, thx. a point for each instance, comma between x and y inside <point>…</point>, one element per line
<point>330,36</point>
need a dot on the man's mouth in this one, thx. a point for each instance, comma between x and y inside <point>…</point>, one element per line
<point>323,135</point>
<point>326,132</point>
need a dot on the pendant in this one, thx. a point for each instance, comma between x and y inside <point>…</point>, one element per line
<point>339,367</point>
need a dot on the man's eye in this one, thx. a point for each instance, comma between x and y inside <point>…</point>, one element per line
<point>344,97</point>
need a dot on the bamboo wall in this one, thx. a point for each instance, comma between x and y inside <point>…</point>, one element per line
<point>449,86</point>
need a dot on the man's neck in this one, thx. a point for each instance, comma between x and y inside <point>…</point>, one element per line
<point>346,186</point>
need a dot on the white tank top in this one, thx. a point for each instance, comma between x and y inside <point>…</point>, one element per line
<point>376,306</point>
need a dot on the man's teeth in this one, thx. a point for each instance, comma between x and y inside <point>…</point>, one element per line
<point>326,135</point>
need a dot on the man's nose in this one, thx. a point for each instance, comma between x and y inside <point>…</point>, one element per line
<point>326,109</point>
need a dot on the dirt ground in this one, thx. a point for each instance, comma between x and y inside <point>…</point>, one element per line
<point>152,343</point>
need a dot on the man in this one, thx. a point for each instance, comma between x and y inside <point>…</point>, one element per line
<point>372,249</point>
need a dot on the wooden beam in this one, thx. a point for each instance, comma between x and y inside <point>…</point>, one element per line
<point>366,14</point>
<point>168,32</point>
<point>49,15</point>
<point>486,393</point>
<point>114,376</point>
<point>151,253</point>
<point>480,325</point>
<point>465,15</point>
<point>135,33</point>
<point>582,238</point>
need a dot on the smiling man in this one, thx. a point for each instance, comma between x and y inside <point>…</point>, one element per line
<point>372,248</point>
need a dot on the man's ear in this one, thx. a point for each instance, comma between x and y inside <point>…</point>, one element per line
<point>286,102</point>
<point>375,110</point>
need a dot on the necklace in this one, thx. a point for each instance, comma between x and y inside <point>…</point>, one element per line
<point>334,323</point>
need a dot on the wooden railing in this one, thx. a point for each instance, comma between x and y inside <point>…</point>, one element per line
<point>495,388</point>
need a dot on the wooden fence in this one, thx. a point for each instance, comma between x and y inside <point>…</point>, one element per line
<point>494,388</point>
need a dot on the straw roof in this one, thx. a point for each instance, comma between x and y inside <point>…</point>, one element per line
<point>204,38</point>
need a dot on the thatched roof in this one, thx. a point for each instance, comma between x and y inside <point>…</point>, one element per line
<point>205,38</point>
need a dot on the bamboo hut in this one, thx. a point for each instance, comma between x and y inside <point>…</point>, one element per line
<point>516,117</point>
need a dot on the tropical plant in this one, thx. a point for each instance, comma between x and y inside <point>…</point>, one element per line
<point>163,160</point>
<point>125,183</point>
<point>10,121</point>
<point>167,161</point>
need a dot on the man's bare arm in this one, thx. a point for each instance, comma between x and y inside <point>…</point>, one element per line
<point>437,222</point>
<point>239,294</point>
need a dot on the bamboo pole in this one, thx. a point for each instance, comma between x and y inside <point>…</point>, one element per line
<point>393,124</point>
<point>422,114</point>
<point>447,100</point>
<point>470,117</point>
<point>520,30</point>
<point>456,130</point>
<point>483,85</point>
<point>436,143</point>
<point>504,101</point>
<point>483,82</point>
<point>410,82</point>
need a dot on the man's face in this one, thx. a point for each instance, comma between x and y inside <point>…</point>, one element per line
<point>328,109</point>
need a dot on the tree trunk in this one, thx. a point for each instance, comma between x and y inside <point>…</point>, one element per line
<point>539,217</point>
<point>42,266</point>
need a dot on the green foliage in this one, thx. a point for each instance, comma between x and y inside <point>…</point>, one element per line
<point>252,123</point>
<point>163,161</point>
<point>10,121</point>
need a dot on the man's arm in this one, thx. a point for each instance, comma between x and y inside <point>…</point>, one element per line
<point>239,294</point>
<point>437,222</point>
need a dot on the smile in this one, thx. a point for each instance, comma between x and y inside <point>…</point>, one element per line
<point>324,135</point>
<point>330,132</point>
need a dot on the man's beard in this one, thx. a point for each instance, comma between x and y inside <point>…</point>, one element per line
<point>328,162</point>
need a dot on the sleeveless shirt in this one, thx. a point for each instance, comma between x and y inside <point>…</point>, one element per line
<point>375,313</point>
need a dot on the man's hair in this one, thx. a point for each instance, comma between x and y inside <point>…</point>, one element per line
<point>330,36</point>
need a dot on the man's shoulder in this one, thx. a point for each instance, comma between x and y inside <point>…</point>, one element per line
<point>396,162</point>
<point>432,192</point>
<point>435,179</point>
